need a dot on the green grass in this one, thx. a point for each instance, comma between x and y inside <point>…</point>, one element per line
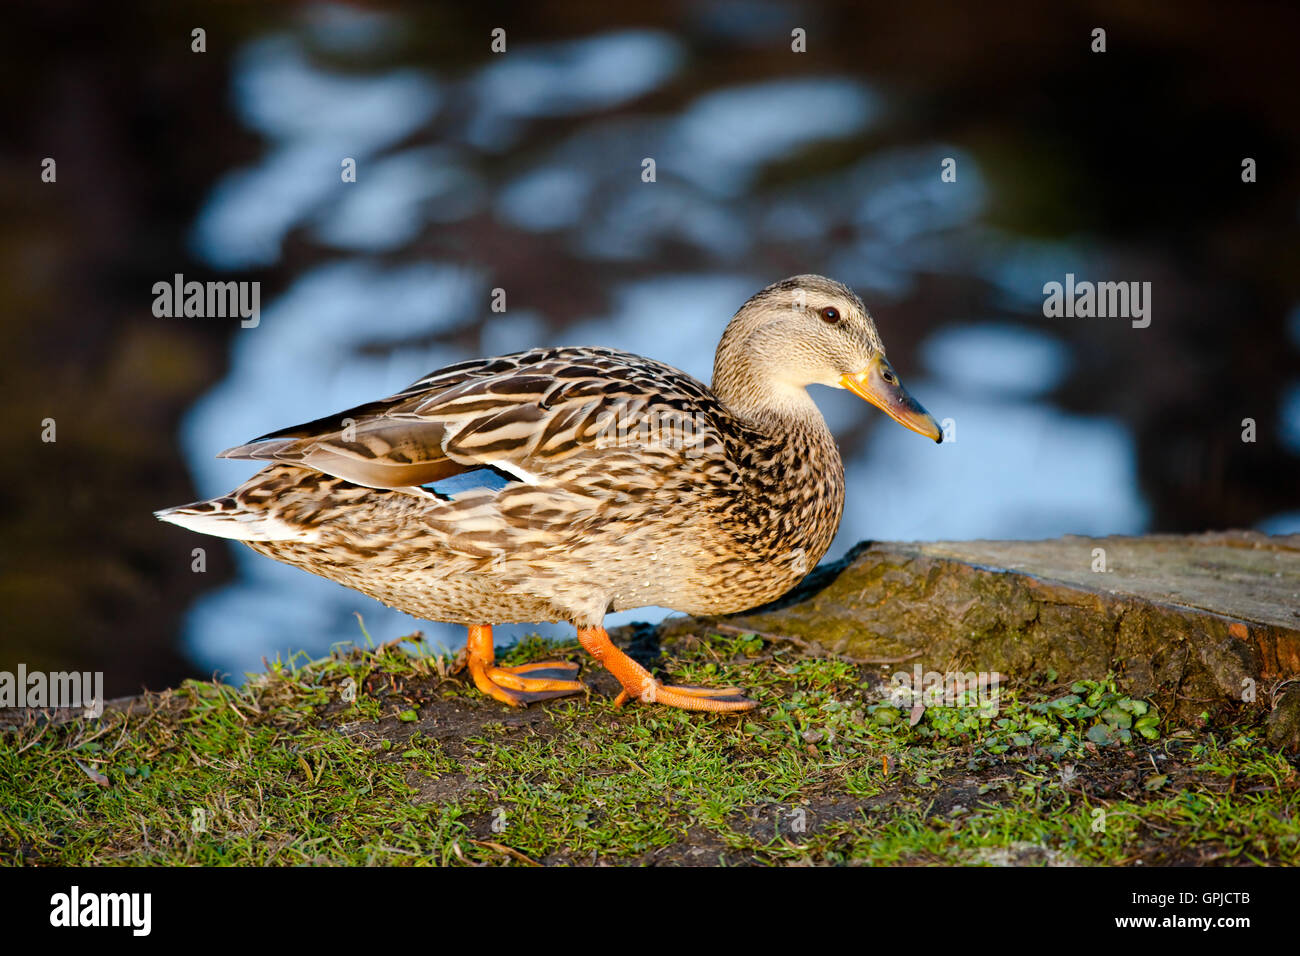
<point>381,757</point>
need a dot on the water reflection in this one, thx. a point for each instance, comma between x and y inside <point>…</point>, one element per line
<point>996,358</point>
<point>565,79</point>
<point>360,325</point>
<point>725,138</point>
<point>1291,418</point>
<point>1017,470</point>
<point>312,119</point>
<point>397,196</point>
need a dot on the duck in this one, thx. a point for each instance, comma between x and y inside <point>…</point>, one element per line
<point>562,484</point>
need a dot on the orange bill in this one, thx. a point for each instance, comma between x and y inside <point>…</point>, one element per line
<point>879,385</point>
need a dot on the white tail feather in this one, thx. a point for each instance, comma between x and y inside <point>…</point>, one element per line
<point>225,519</point>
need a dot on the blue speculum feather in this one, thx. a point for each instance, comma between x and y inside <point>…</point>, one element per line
<point>480,478</point>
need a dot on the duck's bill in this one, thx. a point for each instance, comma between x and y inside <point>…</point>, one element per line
<point>873,384</point>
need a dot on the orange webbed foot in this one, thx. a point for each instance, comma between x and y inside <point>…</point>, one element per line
<point>521,685</point>
<point>687,697</point>
<point>639,685</point>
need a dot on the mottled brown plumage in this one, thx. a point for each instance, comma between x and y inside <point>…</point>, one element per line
<point>619,482</point>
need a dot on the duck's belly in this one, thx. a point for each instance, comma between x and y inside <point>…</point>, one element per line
<point>413,584</point>
<point>581,583</point>
<point>734,584</point>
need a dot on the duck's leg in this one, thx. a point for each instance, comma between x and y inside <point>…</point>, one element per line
<point>522,685</point>
<point>639,685</point>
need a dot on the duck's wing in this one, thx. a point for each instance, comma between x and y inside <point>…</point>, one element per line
<point>517,413</point>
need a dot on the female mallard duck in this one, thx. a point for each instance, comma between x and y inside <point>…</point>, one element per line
<point>561,484</point>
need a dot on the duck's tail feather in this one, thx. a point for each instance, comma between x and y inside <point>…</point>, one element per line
<point>226,517</point>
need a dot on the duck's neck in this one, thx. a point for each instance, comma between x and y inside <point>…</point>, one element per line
<point>793,476</point>
<point>762,401</point>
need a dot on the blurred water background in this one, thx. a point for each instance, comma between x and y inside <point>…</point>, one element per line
<point>522,170</point>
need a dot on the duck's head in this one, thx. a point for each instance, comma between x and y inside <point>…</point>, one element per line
<point>809,330</point>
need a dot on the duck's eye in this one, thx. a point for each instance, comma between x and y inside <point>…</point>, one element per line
<point>889,377</point>
<point>830,315</point>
